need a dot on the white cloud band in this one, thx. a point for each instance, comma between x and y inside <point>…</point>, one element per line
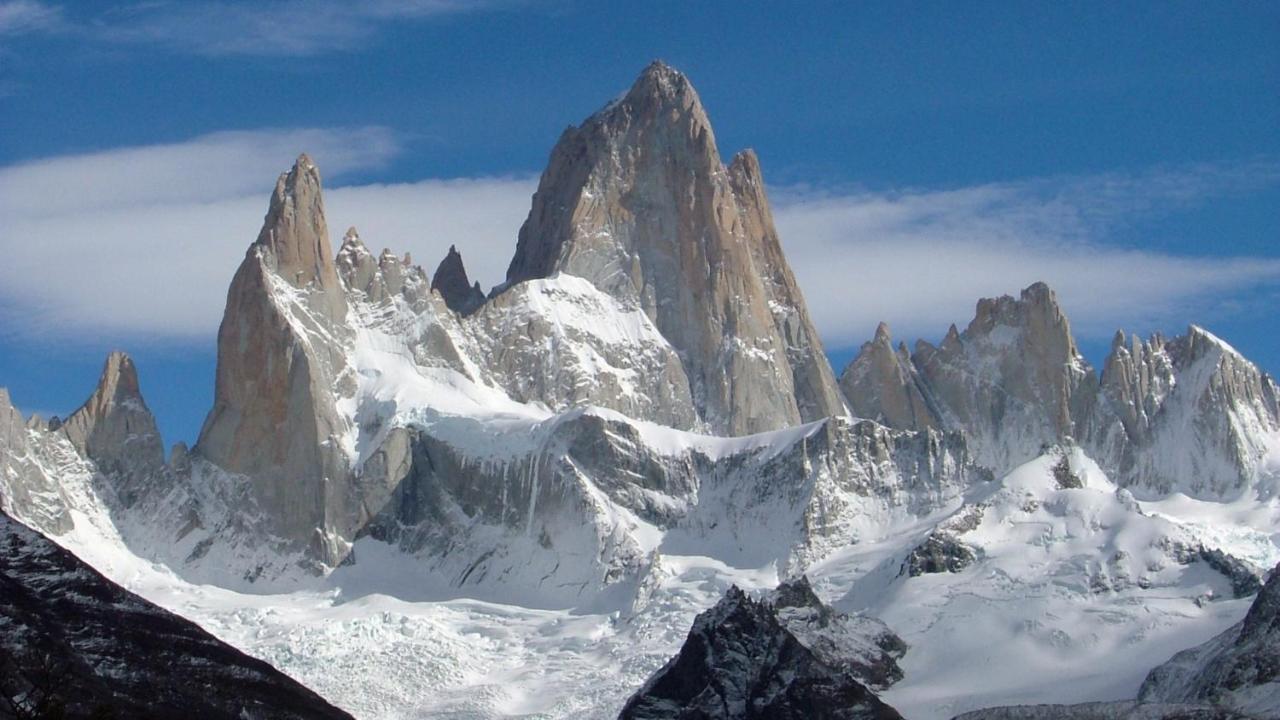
<point>137,244</point>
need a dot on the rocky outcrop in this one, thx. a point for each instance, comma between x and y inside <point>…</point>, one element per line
<point>281,371</point>
<point>637,201</point>
<point>740,662</point>
<point>76,645</point>
<point>1239,669</point>
<point>1013,379</point>
<point>376,280</point>
<point>1186,415</point>
<point>859,645</point>
<point>115,429</point>
<point>450,280</point>
<point>940,552</point>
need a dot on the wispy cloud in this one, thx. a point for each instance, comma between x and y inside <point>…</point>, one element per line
<point>19,17</point>
<point>920,259</point>
<point>226,27</point>
<point>140,243</point>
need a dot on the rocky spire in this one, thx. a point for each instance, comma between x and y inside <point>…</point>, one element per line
<point>450,280</point>
<point>281,370</point>
<point>296,236</point>
<point>115,429</point>
<point>637,201</point>
<point>882,384</point>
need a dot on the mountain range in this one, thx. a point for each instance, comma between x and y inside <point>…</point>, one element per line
<point>540,487</point>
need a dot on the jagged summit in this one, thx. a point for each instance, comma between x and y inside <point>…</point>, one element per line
<point>1187,413</point>
<point>450,280</point>
<point>114,427</point>
<point>294,229</point>
<point>282,366</point>
<point>637,201</point>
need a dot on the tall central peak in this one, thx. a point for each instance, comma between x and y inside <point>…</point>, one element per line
<point>637,201</point>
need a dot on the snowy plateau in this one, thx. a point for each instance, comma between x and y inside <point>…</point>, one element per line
<point>423,501</point>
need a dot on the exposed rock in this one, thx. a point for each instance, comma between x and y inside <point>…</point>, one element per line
<point>1239,669</point>
<point>1185,415</point>
<point>1188,414</point>
<point>564,343</point>
<point>80,646</point>
<point>450,280</point>
<point>940,552</point>
<point>572,483</point>
<point>739,661</point>
<point>115,429</point>
<point>637,201</point>
<point>859,645</point>
<point>882,384</point>
<point>378,280</point>
<point>281,371</point>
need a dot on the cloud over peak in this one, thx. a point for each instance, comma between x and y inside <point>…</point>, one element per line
<point>140,243</point>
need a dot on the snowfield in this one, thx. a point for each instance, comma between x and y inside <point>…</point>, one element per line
<point>1081,586</point>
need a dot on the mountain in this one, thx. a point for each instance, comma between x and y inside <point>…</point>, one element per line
<point>74,644</point>
<point>637,201</point>
<point>741,662</point>
<point>1188,415</point>
<point>281,372</point>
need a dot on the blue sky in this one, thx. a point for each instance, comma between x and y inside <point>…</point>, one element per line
<point>920,155</point>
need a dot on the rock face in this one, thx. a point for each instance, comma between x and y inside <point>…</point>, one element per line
<point>573,484</point>
<point>73,642</point>
<point>116,430</point>
<point>739,661</point>
<point>859,645</point>
<point>564,343</point>
<point>883,384</point>
<point>1012,379</point>
<point>450,280</point>
<point>282,370</point>
<point>1189,415</point>
<point>637,201</point>
<point>1238,670</point>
